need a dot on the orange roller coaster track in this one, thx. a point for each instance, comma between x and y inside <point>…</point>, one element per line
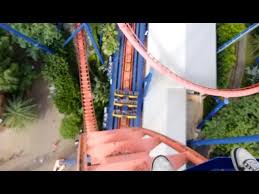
<point>127,71</point>
<point>227,93</point>
<point>126,149</point>
<point>90,123</point>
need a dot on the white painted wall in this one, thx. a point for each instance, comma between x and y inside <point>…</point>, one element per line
<point>201,53</point>
<point>190,51</point>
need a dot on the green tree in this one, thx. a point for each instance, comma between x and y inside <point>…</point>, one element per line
<point>27,76</point>
<point>110,43</point>
<point>227,58</point>
<point>19,112</point>
<point>44,33</point>
<point>70,126</point>
<point>15,73</point>
<point>239,118</point>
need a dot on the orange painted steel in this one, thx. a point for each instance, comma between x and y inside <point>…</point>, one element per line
<point>127,71</point>
<point>227,93</point>
<point>89,118</point>
<point>86,93</point>
<point>127,149</point>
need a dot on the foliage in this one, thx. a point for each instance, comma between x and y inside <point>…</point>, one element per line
<point>239,118</point>
<point>14,74</point>
<point>100,86</point>
<point>227,58</point>
<point>255,44</point>
<point>110,43</point>
<point>27,76</point>
<point>44,33</point>
<point>8,78</point>
<point>19,112</point>
<point>70,126</point>
<point>252,74</point>
<point>208,104</point>
<point>67,95</point>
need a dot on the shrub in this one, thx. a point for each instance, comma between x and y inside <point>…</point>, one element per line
<point>70,126</point>
<point>239,118</point>
<point>67,95</point>
<point>110,43</point>
<point>19,112</point>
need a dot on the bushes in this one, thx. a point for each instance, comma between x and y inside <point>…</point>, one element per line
<point>66,96</point>
<point>110,43</point>
<point>227,58</point>
<point>67,91</point>
<point>70,126</point>
<point>226,62</point>
<point>239,118</point>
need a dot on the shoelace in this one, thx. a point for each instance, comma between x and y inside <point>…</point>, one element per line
<point>251,165</point>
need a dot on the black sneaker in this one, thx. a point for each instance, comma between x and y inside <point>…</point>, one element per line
<point>161,163</point>
<point>243,160</point>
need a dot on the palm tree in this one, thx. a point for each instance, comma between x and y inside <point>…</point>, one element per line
<point>9,78</point>
<point>19,112</point>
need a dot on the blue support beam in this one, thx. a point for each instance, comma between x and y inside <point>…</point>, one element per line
<point>257,60</point>
<point>117,58</point>
<point>112,90</point>
<point>88,29</point>
<point>147,81</point>
<point>217,99</point>
<point>135,72</point>
<point>119,72</point>
<point>216,109</point>
<point>216,164</point>
<point>237,37</point>
<point>228,140</point>
<point>149,76</point>
<point>141,62</point>
<point>74,33</point>
<point>90,35</point>
<point>26,38</point>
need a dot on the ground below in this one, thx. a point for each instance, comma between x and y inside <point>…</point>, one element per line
<point>32,148</point>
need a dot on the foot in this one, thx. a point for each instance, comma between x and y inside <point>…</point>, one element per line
<point>243,160</point>
<point>161,163</point>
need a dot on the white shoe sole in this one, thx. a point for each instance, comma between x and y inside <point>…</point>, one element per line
<point>234,160</point>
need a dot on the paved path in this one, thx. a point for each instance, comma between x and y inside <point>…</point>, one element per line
<point>32,148</point>
<point>239,70</point>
